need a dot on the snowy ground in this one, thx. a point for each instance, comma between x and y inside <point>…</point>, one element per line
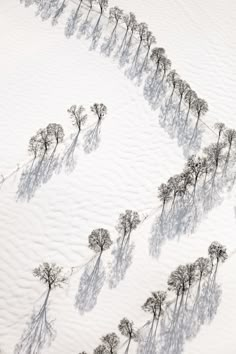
<point>42,74</point>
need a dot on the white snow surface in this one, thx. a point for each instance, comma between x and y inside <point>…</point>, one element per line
<point>42,74</point>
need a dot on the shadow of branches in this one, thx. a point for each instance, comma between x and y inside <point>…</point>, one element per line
<point>39,332</point>
<point>91,283</point>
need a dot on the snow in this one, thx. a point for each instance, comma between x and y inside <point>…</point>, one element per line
<point>42,74</point>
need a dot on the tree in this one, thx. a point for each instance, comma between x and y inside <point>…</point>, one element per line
<point>182,88</point>
<point>56,131</point>
<point>186,180</point>
<point>174,185</point>
<point>150,40</point>
<point>229,138</point>
<point>200,108</point>
<point>131,23</point>
<point>214,154</point>
<point>77,116</point>
<point>111,342</point>
<point>142,29</point>
<point>127,223</point>
<point>100,110</point>
<point>172,79</point>
<point>154,304</point>
<point>101,349</point>
<point>51,275</point>
<point>220,127</point>
<point>202,267</point>
<point>190,97</point>
<point>126,328</point>
<point>165,65</point>
<point>157,55</point>
<point>191,276</point>
<point>164,194</point>
<point>99,240</point>
<point>178,281</point>
<point>34,146</point>
<point>103,4</point>
<point>45,141</point>
<point>115,14</point>
<point>217,252</point>
<point>195,167</point>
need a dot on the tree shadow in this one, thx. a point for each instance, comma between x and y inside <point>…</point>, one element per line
<point>147,338</point>
<point>91,283</point>
<point>72,23</point>
<point>122,253</point>
<point>109,44</point>
<point>39,332</point>
<point>96,34</point>
<point>35,174</point>
<point>58,12</point>
<point>178,327</point>
<point>85,29</point>
<point>155,89</point>
<point>172,119</point>
<point>69,159</point>
<point>92,138</point>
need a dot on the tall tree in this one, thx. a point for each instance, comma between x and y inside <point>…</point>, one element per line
<point>78,117</point>
<point>115,14</point>
<point>190,97</point>
<point>154,304</point>
<point>100,110</point>
<point>200,108</point>
<point>99,240</point>
<point>217,252</point>
<point>202,268</point>
<point>126,328</point>
<point>111,342</point>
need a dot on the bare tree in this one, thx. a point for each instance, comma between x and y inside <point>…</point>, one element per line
<point>126,328</point>
<point>165,65</point>
<point>200,108</point>
<point>194,164</point>
<point>100,110</point>
<point>77,116</point>
<point>99,240</point>
<point>142,29</point>
<point>202,267</point>
<point>178,281</point>
<point>191,276</point>
<point>154,304</point>
<point>45,141</point>
<point>190,97</point>
<point>164,194</point>
<point>157,55</point>
<point>111,342</point>
<point>220,127</point>
<point>34,147</point>
<point>51,275</point>
<point>127,223</point>
<point>186,180</point>
<point>174,185</point>
<point>172,79</point>
<point>150,40</point>
<point>103,4</point>
<point>115,14</point>
<point>214,154</point>
<point>101,349</point>
<point>182,88</point>
<point>217,252</point>
<point>131,24</point>
<point>229,138</point>
<point>57,133</point>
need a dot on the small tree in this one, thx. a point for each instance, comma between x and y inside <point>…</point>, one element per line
<point>115,14</point>
<point>100,110</point>
<point>101,349</point>
<point>195,167</point>
<point>103,4</point>
<point>220,127</point>
<point>182,88</point>
<point>77,116</point>
<point>165,65</point>
<point>154,304</point>
<point>126,328</point>
<point>45,141</point>
<point>57,133</point>
<point>217,252</point>
<point>127,223</point>
<point>214,154</point>
<point>202,268</point>
<point>51,275</point>
<point>229,138</point>
<point>99,240</point>
<point>172,79</point>
<point>34,146</point>
<point>111,342</point>
<point>174,183</point>
<point>200,108</point>
<point>164,194</point>
<point>156,57</point>
<point>178,281</point>
<point>190,97</point>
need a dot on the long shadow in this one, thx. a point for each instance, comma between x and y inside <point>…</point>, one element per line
<point>155,89</point>
<point>122,253</point>
<point>91,283</point>
<point>39,332</point>
<point>35,174</point>
<point>96,34</point>
<point>72,23</point>
<point>92,138</point>
<point>184,325</point>
<point>69,158</point>
<point>109,44</point>
<point>147,339</point>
